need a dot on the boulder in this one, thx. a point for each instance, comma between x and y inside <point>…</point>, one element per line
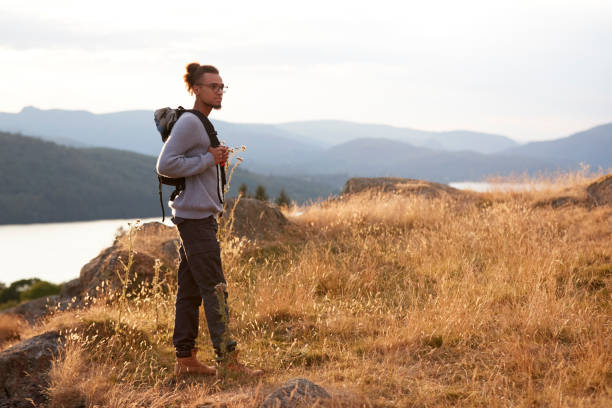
<point>296,393</point>
<point>150,241</point>
<point>153,238</point>
<point>255,219</point>
<point>71,289</point>
<point>600,191</point>
<point>24,370</point>
<point>109,267</point>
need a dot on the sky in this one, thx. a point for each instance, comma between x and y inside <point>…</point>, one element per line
<point>529,70</point>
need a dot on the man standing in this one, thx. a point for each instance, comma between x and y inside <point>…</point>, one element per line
<point>188,153</point>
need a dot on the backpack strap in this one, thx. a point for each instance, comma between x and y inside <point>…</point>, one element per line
<point>161,201</point>
<point>214,142</point>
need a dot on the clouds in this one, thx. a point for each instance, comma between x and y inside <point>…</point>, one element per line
<point>489,66</point>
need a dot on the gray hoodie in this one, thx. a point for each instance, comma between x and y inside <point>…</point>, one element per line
<point>185,154</point>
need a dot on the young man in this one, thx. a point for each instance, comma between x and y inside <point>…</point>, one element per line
<point>188,153</point>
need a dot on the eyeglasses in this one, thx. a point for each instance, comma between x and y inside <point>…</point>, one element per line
<point>216,87</point>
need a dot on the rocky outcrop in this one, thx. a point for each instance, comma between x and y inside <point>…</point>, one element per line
<point>595,194</point>
<point>297,392</point>
<point>255,219</point>
<point>154,239</point>
<point>109,267</point>
<point>600,191</point>
<point>400,185</point>
<point>24,370</point>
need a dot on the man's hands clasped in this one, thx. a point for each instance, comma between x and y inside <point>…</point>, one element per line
<point>220,154</point>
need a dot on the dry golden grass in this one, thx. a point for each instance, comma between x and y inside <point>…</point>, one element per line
<point>10,328</point>
<point>388,301</point>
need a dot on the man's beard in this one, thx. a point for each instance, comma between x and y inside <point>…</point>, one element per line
<point>217,106</point>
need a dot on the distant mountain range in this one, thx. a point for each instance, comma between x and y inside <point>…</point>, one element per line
<point>383,157</point>
<point>328,133</point>
<point>334,148</point>
<point>135,131</point>
<point>592,147</point>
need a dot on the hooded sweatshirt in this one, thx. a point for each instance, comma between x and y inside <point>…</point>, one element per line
<point>185,154</point>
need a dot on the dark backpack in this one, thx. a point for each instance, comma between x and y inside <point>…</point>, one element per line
<point>165,118</point>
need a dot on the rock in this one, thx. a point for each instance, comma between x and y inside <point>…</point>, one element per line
<point>71,289</point>
<point>294,393</point>
<point>108,267</point>
<point>401,185</point>
<point>255,219</point>
<point>24,370</point>
<point>33,310</point>
<point>600,191</point>
<point>170,249</point>
<point>154,239</point>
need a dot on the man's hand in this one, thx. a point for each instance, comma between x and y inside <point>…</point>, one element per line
<point>220,153</point>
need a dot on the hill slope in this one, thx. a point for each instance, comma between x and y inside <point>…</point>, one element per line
<point>592,147</point>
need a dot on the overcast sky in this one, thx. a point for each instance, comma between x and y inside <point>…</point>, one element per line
<point>530,70</point>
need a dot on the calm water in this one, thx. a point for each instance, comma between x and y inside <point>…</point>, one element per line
<point>54,252</point>
<point>483,187</point>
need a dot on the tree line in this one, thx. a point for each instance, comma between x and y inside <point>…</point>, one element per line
<point>282,200</point>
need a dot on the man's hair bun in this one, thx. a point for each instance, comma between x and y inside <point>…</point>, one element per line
<point>191,68</point>
<point>195,71</point>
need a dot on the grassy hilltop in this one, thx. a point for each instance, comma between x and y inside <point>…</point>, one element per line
<point>385,299</point>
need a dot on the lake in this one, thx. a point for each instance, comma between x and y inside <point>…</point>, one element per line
<point>55,252</point>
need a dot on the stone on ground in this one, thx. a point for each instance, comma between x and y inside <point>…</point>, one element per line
<point>24,370</point>
<point>297,392</point>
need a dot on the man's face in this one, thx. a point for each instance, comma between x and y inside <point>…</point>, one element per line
<point>209,90</point>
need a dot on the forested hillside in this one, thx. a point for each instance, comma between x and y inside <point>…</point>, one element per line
<point>46,182</point>
<point>42,182</point>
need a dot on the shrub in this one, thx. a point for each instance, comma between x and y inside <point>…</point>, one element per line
<point>40,289</point>
<point>283,199</point>
<point>261,194</point>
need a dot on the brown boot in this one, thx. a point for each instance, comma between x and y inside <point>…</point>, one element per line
<point>231,366</point>
<point>191,365</point>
